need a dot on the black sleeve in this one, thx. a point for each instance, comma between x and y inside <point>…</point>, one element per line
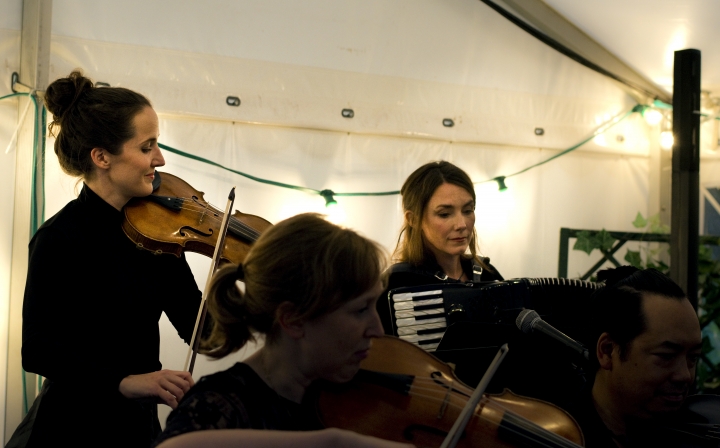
<point>53,320</point>
<point>180,295</point>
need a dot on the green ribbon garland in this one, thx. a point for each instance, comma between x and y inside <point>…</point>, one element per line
<point>330,193</point>
<point>271,182</point>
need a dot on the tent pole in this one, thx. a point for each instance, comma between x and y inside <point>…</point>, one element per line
<point>34,72</point>
<point>684,230</point>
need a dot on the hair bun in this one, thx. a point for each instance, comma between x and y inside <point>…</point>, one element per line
<point>64,93</point>
<point>613,276</point>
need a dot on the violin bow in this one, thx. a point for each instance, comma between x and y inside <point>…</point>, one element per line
<point>200,321</point>
<point>458,427</point>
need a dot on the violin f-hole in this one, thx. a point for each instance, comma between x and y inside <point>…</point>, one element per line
<point>184,229</point>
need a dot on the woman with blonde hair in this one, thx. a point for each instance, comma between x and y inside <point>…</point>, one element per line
<point>310,289</point>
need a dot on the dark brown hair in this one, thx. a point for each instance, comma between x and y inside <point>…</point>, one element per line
<point>416,193</point>
<point>89,117</point>
<point>617,307</point>
<point>305,260</point>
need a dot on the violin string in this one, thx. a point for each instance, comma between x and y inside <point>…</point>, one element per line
<point>434,382</point>
<point>558,440</point>
<point>236,225</point>
<point>190,205</point>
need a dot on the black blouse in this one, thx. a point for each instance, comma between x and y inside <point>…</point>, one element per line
<point>237,398</point>
<point>90,316</point>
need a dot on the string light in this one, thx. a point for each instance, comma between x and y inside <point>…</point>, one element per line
<point>666,140</point>
<point>329,195</point>
<point>501,183</point>
<point>652,116</point>
<point>329,198</point>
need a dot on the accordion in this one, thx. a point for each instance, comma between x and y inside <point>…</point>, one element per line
<point>422,314</point>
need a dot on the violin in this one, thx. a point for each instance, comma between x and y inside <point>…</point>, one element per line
<point>176,218</point>
<point>405,394</point>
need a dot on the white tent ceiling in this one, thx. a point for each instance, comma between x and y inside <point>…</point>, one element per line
<point>645,33</point>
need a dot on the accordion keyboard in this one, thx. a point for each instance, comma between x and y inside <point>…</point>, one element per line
<point>420,317</point>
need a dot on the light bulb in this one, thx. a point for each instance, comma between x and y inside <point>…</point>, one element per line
<point>335,213</point>
<point>666,140</point>
<point>652,116</point>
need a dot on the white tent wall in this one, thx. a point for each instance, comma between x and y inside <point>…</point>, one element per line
<point>402,66</point>
<point>10,57</point>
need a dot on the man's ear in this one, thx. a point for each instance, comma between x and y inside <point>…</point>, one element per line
<point>100,157</point>
<point>409,218</point>
<point>604,351</point>
<point>288,320</point>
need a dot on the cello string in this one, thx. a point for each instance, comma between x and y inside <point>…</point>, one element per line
<point>450,388</point>
<point>552,439</point>
<point>547,438</point>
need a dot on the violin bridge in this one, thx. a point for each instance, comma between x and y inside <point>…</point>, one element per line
<point>202,215</point>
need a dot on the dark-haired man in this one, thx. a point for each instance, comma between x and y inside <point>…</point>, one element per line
<point>647,343</point>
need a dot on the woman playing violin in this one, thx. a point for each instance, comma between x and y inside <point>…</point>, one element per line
<point>92,300</point>
<point>310,293</point>
<point>438,241</point>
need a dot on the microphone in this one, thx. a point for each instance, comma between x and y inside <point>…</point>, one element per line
<point>529,321</point>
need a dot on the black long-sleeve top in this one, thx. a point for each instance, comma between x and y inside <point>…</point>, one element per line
<point>91,310</point>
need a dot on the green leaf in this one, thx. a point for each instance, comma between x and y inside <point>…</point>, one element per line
<point>707,345</point>
<point>655,226</point>
<point>639,222</point>
<point>633,257</point>
<point>604,240</point>
<point>663,267</point>
<point>585,242</point>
